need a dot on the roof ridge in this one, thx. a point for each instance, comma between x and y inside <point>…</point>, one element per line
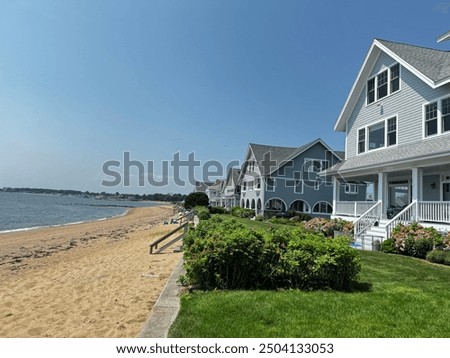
<point>416,46</point>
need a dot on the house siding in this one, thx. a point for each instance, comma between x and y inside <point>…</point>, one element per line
<point>309,195</point>
<point>406,104</point>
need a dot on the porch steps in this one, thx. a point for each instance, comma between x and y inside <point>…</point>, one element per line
<point>368,240</point>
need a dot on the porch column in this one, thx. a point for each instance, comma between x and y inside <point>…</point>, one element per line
<point>336,193</point>
<point>417,185</point>
<point>383,192</point>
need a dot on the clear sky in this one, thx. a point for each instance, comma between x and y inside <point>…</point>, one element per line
<point>82,82</point>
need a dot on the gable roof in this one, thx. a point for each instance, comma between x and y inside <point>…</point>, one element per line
<point>281,155</point>
<point>430,65</point>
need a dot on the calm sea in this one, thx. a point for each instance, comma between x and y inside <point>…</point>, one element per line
<point>24,211</point>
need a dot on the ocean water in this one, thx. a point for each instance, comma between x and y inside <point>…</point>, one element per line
<point>21,211</point>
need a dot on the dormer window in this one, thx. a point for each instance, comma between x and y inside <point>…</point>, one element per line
<point>383,84</point>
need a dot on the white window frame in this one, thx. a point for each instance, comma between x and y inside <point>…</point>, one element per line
<point>321,212</point>
<point>351,189</point>
<point>389,83</point>
<point>439,117</point>
<point>258,184</point>
<point>366,131</point>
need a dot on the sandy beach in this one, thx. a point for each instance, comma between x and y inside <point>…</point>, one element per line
<point>93,279</point>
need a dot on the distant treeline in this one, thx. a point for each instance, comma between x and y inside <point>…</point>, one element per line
<point>103,195</point>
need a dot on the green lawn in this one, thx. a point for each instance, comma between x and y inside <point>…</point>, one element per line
<point>397,297</point>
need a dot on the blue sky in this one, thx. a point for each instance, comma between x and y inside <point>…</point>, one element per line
<point>82,82</point>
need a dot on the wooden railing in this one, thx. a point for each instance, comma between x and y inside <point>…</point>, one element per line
<point>181,231</point>
<point>434,211</point>
<point>353,208</point>
<point>367,219</point>
<point>406,216</point>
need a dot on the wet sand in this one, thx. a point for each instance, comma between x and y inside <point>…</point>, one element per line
<point>93,279</point>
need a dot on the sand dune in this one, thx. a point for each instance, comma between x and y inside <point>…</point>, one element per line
<point>88,280</point>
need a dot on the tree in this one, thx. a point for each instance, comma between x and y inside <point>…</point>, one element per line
<point>196,199</point>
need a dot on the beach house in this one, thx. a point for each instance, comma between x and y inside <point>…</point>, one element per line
<point>396,121</point>
<point>277,179</point>
<point>231,189</point>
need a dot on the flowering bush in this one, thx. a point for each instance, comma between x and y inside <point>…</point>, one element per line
<point>415,240</point>
<point>328,227</point>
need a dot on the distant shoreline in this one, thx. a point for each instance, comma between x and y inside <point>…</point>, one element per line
<point>65,224</point>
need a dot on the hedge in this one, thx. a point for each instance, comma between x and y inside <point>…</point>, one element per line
<point>222,254</point>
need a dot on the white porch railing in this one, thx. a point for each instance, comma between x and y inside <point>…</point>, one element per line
<point>434,211</point>
<point>405,217</point>
<point>353,208</point>
<point>367,219</point>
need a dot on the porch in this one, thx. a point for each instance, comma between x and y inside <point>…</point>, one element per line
<point>417,195</point>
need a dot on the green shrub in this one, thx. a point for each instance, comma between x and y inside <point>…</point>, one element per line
<point>224,254</point>
<point>242,212</point>
<point>282,221</point>
<point>388,246</point>
<point>217,210</point>
<point>439,257</point>
<point>202,212</point>
<point>415,240</point>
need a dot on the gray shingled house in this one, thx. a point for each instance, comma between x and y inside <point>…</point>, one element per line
<point>279,179</point>
<point>397,124</point>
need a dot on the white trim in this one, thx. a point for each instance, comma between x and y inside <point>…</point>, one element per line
<point>275,198</point>
<point>320,212</point>
<point>364,72</point>
<point>389,81</point>
<point>366,128</point>
<point>438,119</point>
<point>348,189</point>
<point>308,207</point>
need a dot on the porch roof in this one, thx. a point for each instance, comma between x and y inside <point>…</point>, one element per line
<point>428,152</point>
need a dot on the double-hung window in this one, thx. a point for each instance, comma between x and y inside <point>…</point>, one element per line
<point>437,117</point>
<point>392,131</point>
<point>379,135</point>
<point>361,140</point>
<point>431,115</point>
<point>383,84</point>
<point>445,112</point>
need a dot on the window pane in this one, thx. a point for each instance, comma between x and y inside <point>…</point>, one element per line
<point>392,131</point>
<point>382,79</point>
<point>431,119</point>
<point>361,140</point>
<point>376,136</point>
<point>371,90</point>
<point>395,78</point>
<point>446,115</point>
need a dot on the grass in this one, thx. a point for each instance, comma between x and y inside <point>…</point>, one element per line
<point>397,296</point>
